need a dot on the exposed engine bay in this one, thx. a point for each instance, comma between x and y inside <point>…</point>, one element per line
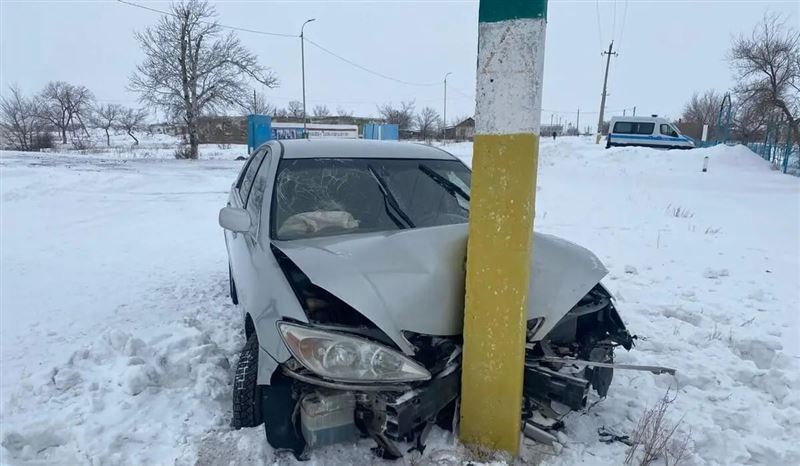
<point>305,410</point>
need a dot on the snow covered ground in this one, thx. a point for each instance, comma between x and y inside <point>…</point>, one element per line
<point>117,335</point>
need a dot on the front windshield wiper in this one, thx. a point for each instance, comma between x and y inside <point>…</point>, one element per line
<point>388,198</point>
<point>448,185</point>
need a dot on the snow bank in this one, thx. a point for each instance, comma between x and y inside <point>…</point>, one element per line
<point>118,338</point>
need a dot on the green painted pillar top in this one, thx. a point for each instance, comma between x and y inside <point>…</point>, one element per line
<point>492,11</point>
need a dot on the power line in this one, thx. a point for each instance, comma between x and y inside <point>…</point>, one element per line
<point>364,68</point>
<point>573,112</point>
<point>614,22</point>
<point>463,94</point>
<point>234,28</point>
<point>277,34</point>
<point>622,29</point>
<point>599,26</point>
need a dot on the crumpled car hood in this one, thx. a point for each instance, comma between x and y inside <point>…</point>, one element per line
<point>414,279</point>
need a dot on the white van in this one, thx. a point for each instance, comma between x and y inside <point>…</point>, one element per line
<point>646,131</point>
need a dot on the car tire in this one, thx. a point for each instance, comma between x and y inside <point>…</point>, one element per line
<point>246,391</point>
<point>232,285</point>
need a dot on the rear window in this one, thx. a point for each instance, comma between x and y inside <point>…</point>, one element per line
<point>633,127</point>
<point>322,197</point>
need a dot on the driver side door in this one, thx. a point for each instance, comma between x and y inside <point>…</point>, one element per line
<point>248,194</point>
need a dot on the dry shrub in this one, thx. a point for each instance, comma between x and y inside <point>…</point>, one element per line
<point>656,437</point>
<point>183,152</point>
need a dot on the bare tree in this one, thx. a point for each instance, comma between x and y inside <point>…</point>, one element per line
<point>294,109</point>
<point>191,67</point>
<point>321,111</point>
<point>703,108</point>
<point>64,105</point>
<point>343,112</point>
<point>20,120</point>
<point>428,122</point>
<point>402,116</point>
<point>767,67</point>
<point>131,120</point>
<point>749,120</point>
<point>257,105</point>
<point>106,117</point>
<point>280,113</point>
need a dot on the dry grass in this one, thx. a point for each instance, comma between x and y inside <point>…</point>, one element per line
<point>656,437</point>
<point>679,212</point>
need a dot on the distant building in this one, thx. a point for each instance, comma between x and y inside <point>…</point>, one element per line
<point>463,131</point>
<point>282,130</point>
<point>171,129</point>
<point>381,131</point>
<point>222,129</point>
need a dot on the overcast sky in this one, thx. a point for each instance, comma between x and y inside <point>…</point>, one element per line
<point>666,50</point>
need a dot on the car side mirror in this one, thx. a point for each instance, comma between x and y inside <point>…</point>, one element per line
<point>234,219</point>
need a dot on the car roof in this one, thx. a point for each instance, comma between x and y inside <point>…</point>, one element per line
<point>637,118</point>
<point>360,148</point>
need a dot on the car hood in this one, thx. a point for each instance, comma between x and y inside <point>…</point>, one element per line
<point>414,279</point>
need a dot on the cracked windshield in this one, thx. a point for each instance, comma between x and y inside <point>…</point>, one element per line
<point>320,197</point>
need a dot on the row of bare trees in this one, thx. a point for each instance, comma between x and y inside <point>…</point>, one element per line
<point>259,105</point>
<point>427,121</point>
<point>191,68</point>
<point>28,122</point>
<point>766,66</point>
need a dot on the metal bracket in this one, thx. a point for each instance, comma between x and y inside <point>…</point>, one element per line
<point>582,362</point>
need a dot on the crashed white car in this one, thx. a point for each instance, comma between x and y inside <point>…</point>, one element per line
<point>347,260</point>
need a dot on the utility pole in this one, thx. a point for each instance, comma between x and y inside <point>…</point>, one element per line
<point>578,122</point>
<point>444,113</point>
<point>303,72</point>
<point>603,98</point>
<point>634,110</point>
<point>511,36</point>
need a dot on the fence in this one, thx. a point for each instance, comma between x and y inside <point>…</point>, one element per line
<point>784,157</point>
<point>777,146</point>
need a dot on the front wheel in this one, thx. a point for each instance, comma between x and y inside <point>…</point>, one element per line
<point>246,391</point>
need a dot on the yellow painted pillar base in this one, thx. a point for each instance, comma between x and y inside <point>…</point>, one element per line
<point>503,193</point>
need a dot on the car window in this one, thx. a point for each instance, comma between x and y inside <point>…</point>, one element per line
<point>667,130</point>
<point>246,165</point>
<point>319,197</point>
<point>250,174</point>
<point>256,198</point>
<point>645,128</point>
<point>632,127</point>
<point>623,127</point>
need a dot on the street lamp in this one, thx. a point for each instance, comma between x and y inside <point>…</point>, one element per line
<point>444,116</point>
<point>303,68</point>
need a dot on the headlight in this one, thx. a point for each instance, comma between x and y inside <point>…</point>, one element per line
<point>345,358</point>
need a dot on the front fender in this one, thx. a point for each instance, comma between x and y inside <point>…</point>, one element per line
<point>561,274</point>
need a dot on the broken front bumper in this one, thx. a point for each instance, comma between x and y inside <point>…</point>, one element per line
<point>387,413</point>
